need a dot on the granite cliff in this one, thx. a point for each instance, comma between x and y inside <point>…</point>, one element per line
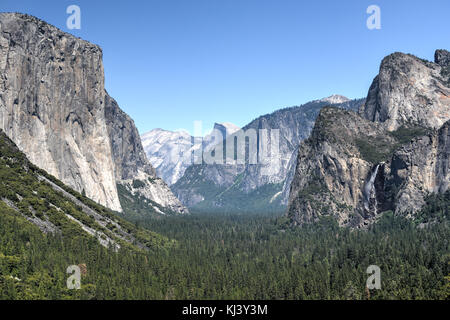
<point>389,157</point>
<point>54,106</point>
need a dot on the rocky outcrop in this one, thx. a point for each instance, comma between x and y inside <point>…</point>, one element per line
<point>334,166</point>
<point>409,90</point>
<point>354,169</point>
<point>130,160</point>
<point>390,158</point>
<point>442,58</point>
<point>127,151</point>
<point>53,105</point>
<point>421,167</point>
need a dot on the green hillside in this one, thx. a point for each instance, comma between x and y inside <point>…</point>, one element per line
<point>46,226</point>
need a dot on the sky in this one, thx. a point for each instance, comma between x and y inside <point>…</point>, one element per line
<point>169,63</point>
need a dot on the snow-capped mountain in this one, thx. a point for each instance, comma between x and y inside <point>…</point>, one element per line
<point>170,152</point>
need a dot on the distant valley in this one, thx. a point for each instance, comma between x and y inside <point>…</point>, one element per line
<point>338,185</point>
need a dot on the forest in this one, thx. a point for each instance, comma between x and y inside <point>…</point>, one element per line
<point>232,257</point>
<point>207,256</point>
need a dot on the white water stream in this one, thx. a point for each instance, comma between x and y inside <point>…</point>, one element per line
<point>369,190</point>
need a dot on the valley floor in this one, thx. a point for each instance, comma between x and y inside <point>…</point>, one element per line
<point>233,257</point>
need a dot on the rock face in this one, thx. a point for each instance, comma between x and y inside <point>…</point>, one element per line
<point>131,163</point>
<point>389,157</point>
<point>221,131</point>
<point>261,186</point>
<point>421,167</point>
<point>410,90</point>
<point>53,105</point>
<point>128,154</point>
<point>171,152</point>
<point>442,58</point>
<point>334,168</point>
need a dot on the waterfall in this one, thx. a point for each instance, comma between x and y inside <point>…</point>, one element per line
<point>370,191</point>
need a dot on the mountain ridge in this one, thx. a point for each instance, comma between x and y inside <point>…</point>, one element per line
<point>230,187</point>
<point>171,152</point>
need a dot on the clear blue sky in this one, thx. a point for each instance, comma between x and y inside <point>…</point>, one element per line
<point>168,62</point>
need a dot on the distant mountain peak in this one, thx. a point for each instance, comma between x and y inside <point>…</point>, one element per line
<point>226,128</point>
<point>334,99</point>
